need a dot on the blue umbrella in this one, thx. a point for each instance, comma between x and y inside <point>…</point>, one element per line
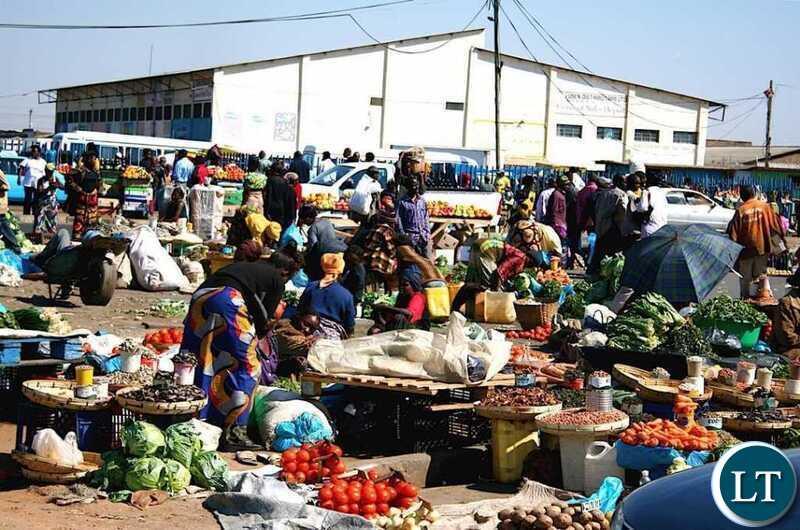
<point>681,263</point>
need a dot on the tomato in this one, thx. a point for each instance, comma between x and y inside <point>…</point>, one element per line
<point>341,497</point>
<point>382,494</point>
<point>300,477</point>
<point>392,493</point>
<point>290,455</point>
<point>339,468</point>
<point>289,478</point>
<point>405,502</point>
<point>312,475</point>
<point>343,508</point>
<point>328,505</point>
<point>355,509</point>
<point>354,494</point>
<point>369,495</point>
<point>326,493</point>
<point>335,450</point>
<point>303,456</point>
<point>325,472</point>
<point>290,467</point>
<point>173,335</point>
<point>369,510</point>
<point>302,467</point>
<point>406,490</point>
<point>314,452</point>
<point>382,508</point>
<point>372,474</point>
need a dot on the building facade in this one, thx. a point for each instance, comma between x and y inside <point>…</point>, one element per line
<point>435,91</point>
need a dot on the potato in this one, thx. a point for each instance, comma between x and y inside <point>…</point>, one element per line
<point>594,525</point>
<point>570,511</point>
<point>544,521</point>
<point>598,516</point>
<point>605,525</point>
<point>562,521</point>
<point>529,523</point>
<point>577,507</point>
<point>506,525</point>
<point>584,518</point>
<point>553,511</point>
<point>577,526</point>
<point>518,516</point>
<point>538,511</point>
<point>505,514</point>
<point>561,504</point>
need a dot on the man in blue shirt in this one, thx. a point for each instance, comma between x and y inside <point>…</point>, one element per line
<point>183,168</point>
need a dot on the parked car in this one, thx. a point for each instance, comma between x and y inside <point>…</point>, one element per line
<point>684,500</point>
<point>9,164</point>
<point>685,207</point>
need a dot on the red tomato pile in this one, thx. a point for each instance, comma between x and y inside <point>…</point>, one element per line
<point>166,336</point>
<point>365,496</point>
<point>539,333</point>
<point>311,463</point>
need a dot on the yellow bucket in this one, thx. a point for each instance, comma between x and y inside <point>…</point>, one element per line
<point>512,442</point>
<point>84,375</point>
<point>438,301</point>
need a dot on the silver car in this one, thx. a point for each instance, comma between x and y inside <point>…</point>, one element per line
<point>686,207</point>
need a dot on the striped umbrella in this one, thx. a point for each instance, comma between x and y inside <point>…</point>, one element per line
<point>681,263</point>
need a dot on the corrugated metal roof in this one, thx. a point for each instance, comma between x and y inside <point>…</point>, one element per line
<point>742,155</point>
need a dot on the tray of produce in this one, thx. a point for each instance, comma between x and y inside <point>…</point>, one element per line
<point>753,420</point>
<point>513,403</point>
<point>60,394</point>
<point>525,355</point>
<point>162,399</point>
<point>558,514</point>
<point>582,421</point>
<point>466,211</point>
<point>556,372</point>
<point>649,387</point>
<point>164,338</point>
<point>665,433</point>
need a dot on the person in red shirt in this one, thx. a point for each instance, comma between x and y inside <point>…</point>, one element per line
<point>410,310</point>
<point>294,182</point>
<point>200,175</point>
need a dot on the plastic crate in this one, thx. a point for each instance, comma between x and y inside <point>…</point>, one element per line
<point>93,430</point>
<point>10,352</point>
<point>32,418</point>
<point>119,417</point>
<point>67,350</point>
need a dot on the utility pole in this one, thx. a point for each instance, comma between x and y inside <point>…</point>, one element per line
<point>770,93</point>
<point>497,67</point>
<point>30,118</point>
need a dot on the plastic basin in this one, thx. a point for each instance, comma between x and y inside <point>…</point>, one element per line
<point>747,335</point>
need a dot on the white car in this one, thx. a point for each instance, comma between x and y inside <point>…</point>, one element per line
<point>685,207</point>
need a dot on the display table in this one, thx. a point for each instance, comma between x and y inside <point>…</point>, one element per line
<point>398,384</point>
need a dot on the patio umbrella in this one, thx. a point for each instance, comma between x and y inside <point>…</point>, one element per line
<point>681,263</point>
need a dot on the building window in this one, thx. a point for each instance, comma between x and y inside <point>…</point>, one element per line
<point>207,110</point>
<point>684,137</point>
<point>83,116</point>
<point>140,112</point>
<point>125,114</point>
<point>96,115</point>
<point>159,113</point>
<point>646,135</point>
<point>70,116</point>
<point>187,111</point>
<point>376,102</point>
<point>149,114</point>
<point>453,105</point>
<point>167,112</point>
<point>569,131</point>
<point>177,112</point>
<point>609,133</point>
<point>198,110</point>
<point>117,114</point>
<point>102,114</point>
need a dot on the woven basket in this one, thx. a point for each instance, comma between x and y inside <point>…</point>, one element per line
<point>59,394</point>
<point>38,464</point>
<point>159,408</point>
<point>53,478</point>
<point>531,315</point>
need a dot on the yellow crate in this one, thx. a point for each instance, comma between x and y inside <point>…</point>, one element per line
<point>512,441</point>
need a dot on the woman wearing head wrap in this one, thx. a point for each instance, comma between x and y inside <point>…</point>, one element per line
<point>330,300</point>
<point>254,182</point>
<point>228,314</point>
<point>322,239</point>
<point>410,308</point>
<point>256,223</point>
<point>271,234</point>
<point>538,241</point>
<point>45,210</point>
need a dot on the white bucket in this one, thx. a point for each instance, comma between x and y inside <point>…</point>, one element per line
<point>131,362</point>
<point>600,462</point>
<point>184,374</point>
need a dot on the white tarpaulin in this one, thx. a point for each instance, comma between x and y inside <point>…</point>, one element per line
<point>418,354</point>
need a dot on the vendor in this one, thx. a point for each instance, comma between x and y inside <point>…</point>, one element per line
<point>176,209</point>
<point>254,182</point>
<point>85,184</point>
<point>409,309</point>
<point>330,300</point>
<point>380,249</point>
<point>408,256</point>
<point>294,337</point>
<point>492,263</point>
<point>354,278</point>
<point>238,231</point>
<point>45,208</point>
<point>321,238</point>
<point>227,315</point>
<point>537,241</point>
<point>786,332</point>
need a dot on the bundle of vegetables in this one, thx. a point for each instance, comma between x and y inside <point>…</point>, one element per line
<point>658,309</point>
<point>642,324</point>
<point>665,433</point>
<point>525,285</point>
<point>558,275</point>
<point>291,298</point>
<point>31,319</point>
<point>22,240</point>
<point>574,306</point>
<point>255,181</point>
<point>723,308</point>
<point>790,439</point>
<point>457,274</point>
<point>442,266</point>
<point>550,292</point>
<point>687,340</point>
<point>8,321</point>
<point>611,271</point>
<point>166,308</point>
<point>373,299</point>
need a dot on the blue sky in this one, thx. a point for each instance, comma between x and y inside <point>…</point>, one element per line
<point>718,49</point>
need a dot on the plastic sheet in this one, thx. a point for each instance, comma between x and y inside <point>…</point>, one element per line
<point>306,428</point>
<point>655,459</point>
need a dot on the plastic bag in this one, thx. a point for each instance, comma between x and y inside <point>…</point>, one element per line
<point>608,494</point>
<point>154,268</point>
<point>498,307</point>
<point>655,459</point>
<point>48,444</point>
<point>291,234</point>
<point>306,428</point>
<point>597,316</point>
<point>209,434</point>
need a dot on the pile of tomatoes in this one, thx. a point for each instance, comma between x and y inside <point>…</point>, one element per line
<point>366,496</point>
<point>310,463</point>
<point>539,333</point>
<point>166,336</point>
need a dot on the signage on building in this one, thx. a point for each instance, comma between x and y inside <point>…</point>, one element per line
<point>596,103</point>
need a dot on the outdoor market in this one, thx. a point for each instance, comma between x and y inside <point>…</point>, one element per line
<point>333,361</point>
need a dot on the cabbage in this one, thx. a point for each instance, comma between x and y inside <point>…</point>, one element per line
<point>175,477</point>
<point>145,474</point>
<point>182,443</point>
<point>210,471</point>
<point>111,475</point>
<point>141,438</point>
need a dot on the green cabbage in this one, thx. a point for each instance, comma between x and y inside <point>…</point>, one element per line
<point>145,474</point>
<point>210,471</point>
<point>175,477</point>
<point>182,443</point>
<point>111,475</point>
<point>142,439</point>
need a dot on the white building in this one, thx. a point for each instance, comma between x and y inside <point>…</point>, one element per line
<point>435,91</point>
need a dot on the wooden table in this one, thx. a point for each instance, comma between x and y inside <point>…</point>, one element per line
<point>399,384</point>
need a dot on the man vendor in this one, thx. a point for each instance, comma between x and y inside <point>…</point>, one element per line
<point>786,333</point>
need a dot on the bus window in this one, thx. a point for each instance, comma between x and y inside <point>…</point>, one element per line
<point>77,149</point>
<point>134,156</point>
<point>107,152</point>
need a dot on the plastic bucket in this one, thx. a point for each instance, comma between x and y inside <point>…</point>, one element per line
<point>438,300</point>
<point>512,441</point>
<point>184,374</point>
<point>131,362</point>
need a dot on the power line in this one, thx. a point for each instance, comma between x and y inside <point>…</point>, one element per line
<point>727,134</point>
<point>333,13</point>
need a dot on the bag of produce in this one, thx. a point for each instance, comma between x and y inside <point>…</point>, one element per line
<point>140,438</point>
<point>182,443</point>
<point>210,471</point>
<point>144,474</point>
<point>175,476</point>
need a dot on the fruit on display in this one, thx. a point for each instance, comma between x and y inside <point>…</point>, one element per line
<point>364,495</point>
<point>64,168</point>
<point>539,333</point>
<point>415,518</point>
<point>326,201</point>
<point>467,211</point>
<point>230,173</point>
<point>558,275</point>
<point>310,463</point>
<point>665,433</point>
<point>164,337</point>
<point>555,515</point>
<point>136,173</point>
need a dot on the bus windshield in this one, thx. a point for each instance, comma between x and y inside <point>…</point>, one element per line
<point>332,176</point>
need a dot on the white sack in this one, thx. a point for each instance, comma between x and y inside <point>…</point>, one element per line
<point>154,268</point>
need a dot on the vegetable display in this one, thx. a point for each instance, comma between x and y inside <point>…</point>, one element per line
<point>255,181</point>
<point>539,333</point>
<point>31,318</point>
<point>583,417</point>
<point>174,477</point>
<point>166,308</point>
<point>551,291</point>
<point>165,336</point>
<point>415,518</point>
<point>372,299</point>
<point>458,273</point>
<point>642,324</point>
<point>523,354</point>
<point>518,397</point>
<point>140,438</point>
<point>686,340</point>
<point>556,515</point>
<point>367,497</point>
<point>310,463</point>
<point>559,275</point>
<point>145,474</point>
<point>210,471</point>
<point>723,308</point>
<point>665,433</point>
<point>167,394</point>
<point>182,443</point>
<point>574,306</point>
<point>611,271</point>
<point>7,320</point>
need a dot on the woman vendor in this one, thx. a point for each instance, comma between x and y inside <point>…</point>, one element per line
<point>85,185</point>
<point>537,241</point>
<point>293,338</point>
<point>330,300</point>
<point>46,203</point>
<point>492,263</point>
<point>228,315</point>
<point>786,332</point>
<point>254,182</point>
<point>408,311</point>
<point>321,238</point>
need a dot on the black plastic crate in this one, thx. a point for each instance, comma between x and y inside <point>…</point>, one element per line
<point>118,418</point>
